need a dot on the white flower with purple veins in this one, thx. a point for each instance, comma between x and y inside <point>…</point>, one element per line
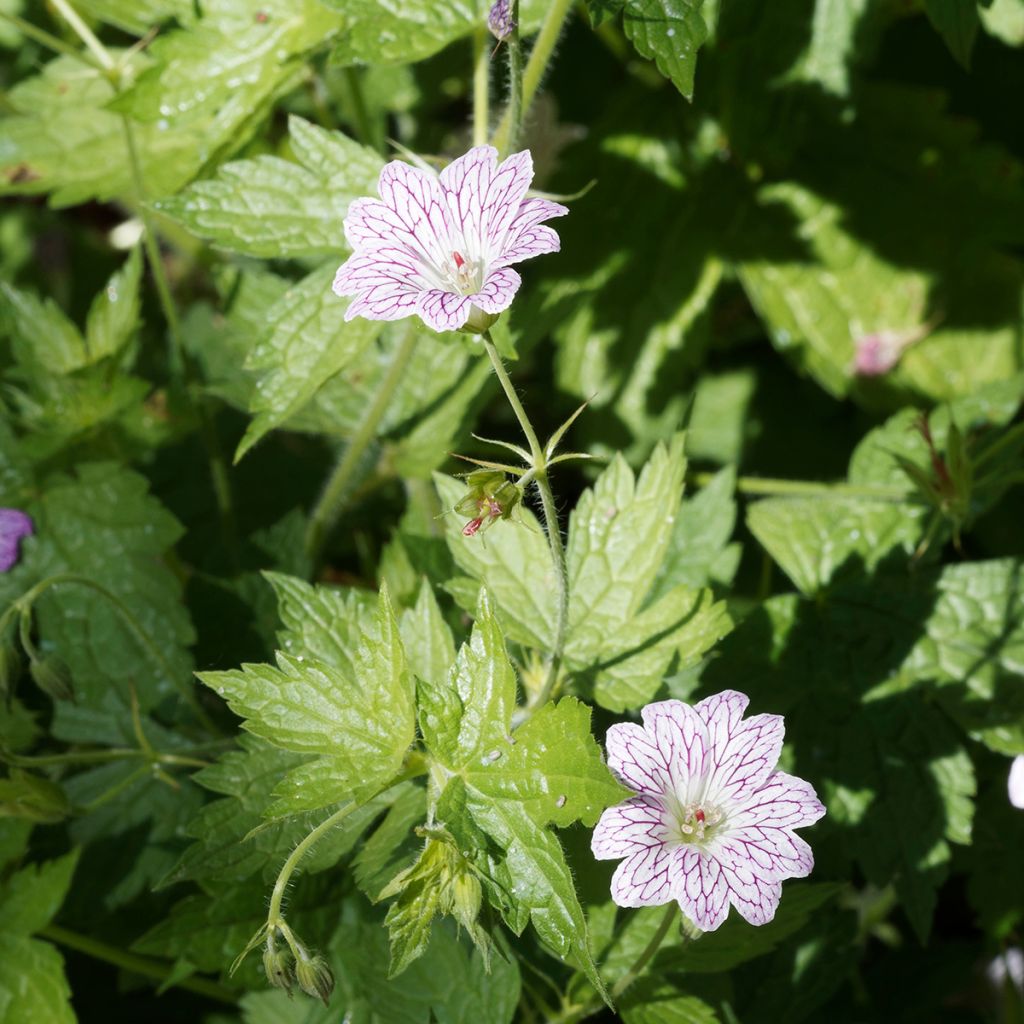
<point>712,820</point>
<point>441,246</point>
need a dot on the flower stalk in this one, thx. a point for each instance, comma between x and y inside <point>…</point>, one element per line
<point>539,471</point>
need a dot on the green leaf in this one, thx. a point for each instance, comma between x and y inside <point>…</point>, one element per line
<point>511,786</point>
<point>427,638</point>
<point>45,340</point>
<point>633,662</point>
<point>361,722</point>
<point>33,988</point>
<point>136,15</point>
<point>669,32</point>
<point>233,840</point>
<point>618,535</point>
<point>114,314</point>
<point>102,524</point>
<point>665,1006</point>
<point>699,551</point>
<point>272,207</point>
<point>306,342</point>
<point>812,538</point>
<point>957,22</point>
<point>31,897</point>
<point>513,562</point>
<point>393,845</point>
<point>399,33</point>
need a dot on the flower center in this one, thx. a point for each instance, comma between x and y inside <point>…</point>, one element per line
<point>463,275</point>
<point>698,822</point>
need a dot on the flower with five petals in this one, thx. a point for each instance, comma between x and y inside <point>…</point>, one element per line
<point>441,246</point>
<point>712,821</point>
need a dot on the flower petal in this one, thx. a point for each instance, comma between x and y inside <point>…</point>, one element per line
<point>771,853</point>
<point>483,199</point>
<point>385,302</point>
<point>526,236</point>
<point>385,266</point>
<point>645,878</point>
<point>637,824</point>
<point>1015,782</point>
<point>701,889</point>
<point>635,758</point>
<point>682,739</point>
<point>744,753</point>
<point>784,801</point>
<point>443,311</point>
<point>498,291</point>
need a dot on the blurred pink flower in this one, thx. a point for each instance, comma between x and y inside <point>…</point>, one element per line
<point>14,524</point>
<point>712,822</point>
<point>441,246</point>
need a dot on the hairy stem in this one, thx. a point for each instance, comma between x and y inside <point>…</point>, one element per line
<point>27,599</point>
<point>481,85</point>
<point>274,916</point>
<point>515,83</point>
<point>540,57</point>
<point>551,524</point>
<point>142,965</point>
<point>336,490</point>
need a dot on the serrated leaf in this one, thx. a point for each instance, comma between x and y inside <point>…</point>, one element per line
<point>136,15</point>
<point>681,627</point>
<point>102,524</point>
<point>114,314</point>
<point>699,551</point>
<point>45,340</point>
<point>307,342</point>
<point>393,844</point>
<point>33,988</point>
<point>669,32</point>
<point>666,1007</point>
<point>32,896</point>
<point>273,207</point>
<point>957,22</point>
<point>361,721</point>
<point>513,562</point>
<point>618,535</point>
<point>233,840</point>
<point>427,638</point>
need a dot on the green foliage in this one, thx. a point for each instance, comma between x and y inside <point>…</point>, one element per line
<point>669,32</point>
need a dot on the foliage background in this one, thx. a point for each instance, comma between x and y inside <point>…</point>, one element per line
<point>845,167</point>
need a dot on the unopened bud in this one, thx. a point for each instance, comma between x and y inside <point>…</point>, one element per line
<point>277,967</point>
<point>500,20</point>
<point>314,977</point>
<point>51,675</point>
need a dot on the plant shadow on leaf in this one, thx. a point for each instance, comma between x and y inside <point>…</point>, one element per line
<point>886,760</point>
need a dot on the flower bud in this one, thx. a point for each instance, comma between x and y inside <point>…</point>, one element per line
<point>276,966</point>
<point>51,675</point>
<point>500,20</point>
<point>314,977</point>
<point>491,496</point>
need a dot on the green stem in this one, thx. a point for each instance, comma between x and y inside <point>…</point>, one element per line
<point>274,917</point>
<point>26,600</point>
<point>335,492</point>
<point>647,953</point>
<point>551,524</point>
<point>481,85</point>
<point>572,1014</point>
<point>144,966</point>
<point>540,55</point>
<point>79,27</point>
<point>51,42</point>
<point>756,485</point>
<point>515,82</point>
<point>361,116</point>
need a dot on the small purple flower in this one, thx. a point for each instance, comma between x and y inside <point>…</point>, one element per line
<point>1015,783</point>
<point>500,20</point>
<point>712,822</point>
<point>14,524</point>
<point>441,246</point>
